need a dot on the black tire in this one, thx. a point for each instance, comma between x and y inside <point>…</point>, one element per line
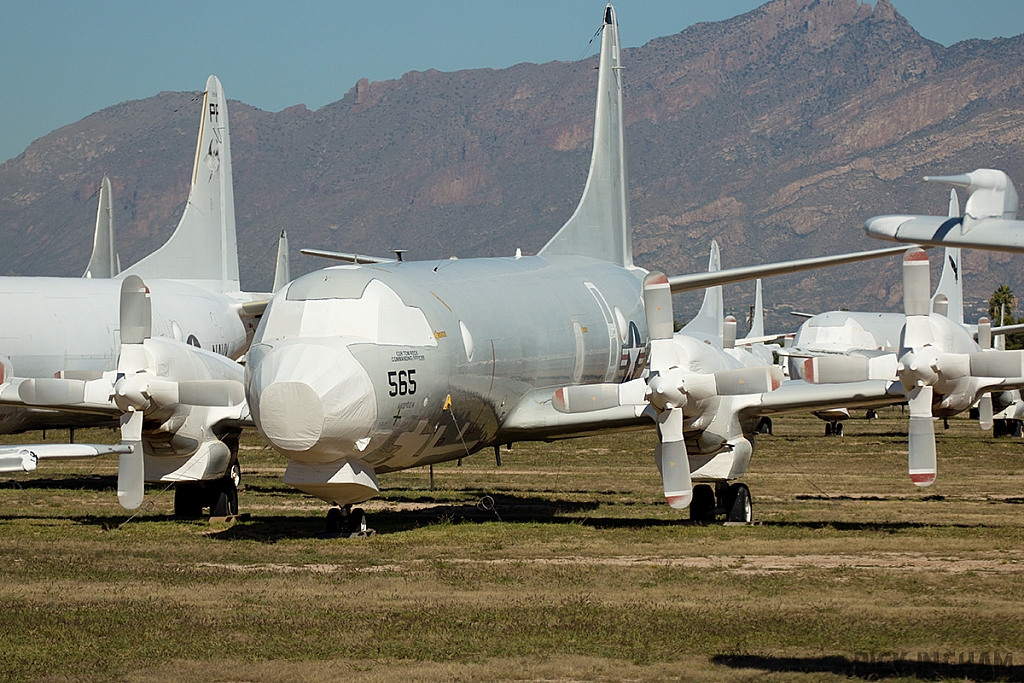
<point>838,429</point>
<point>702,507</point>
<point>357,521</point>
<point>188,500</point>
<point>225,503</point>
<point>741,508</point>
<point>334,521</point>
<point>828,429</point>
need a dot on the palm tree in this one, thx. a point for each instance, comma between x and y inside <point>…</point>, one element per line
<point>1001,305</point>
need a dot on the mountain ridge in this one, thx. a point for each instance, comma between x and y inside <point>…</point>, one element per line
<point>777,132</point>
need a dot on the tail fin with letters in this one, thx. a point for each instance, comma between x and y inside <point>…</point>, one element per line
<point>203,248</point>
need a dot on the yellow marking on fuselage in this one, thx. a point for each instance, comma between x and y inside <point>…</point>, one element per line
<point>442,301</point>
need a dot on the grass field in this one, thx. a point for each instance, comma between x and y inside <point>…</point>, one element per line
<point>577,572</point>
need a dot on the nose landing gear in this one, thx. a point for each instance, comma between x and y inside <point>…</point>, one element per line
<point>729,501</point>
<point>219,495</point>
<point>347,522</point>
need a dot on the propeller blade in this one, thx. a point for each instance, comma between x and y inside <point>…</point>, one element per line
<point>216,393</point>
<point>45,391</point>
<point>743,381</point>
<point>921,461</point>
<point>984,333</point>
<point>985,418</point>
<point>729,333</point>
<point>136,313</point>
<point>916,283</point>
<point>658,306</point>
<point>673,463</point>
<point>997,364</point>
<point>589,397</point>
<point>131,468</point>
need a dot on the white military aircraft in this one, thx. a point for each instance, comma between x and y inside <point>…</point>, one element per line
<point>989,220</point>
<point>64,346</point>
<point>938,366</point>
<point>381,365</point>
<point>878,335</point>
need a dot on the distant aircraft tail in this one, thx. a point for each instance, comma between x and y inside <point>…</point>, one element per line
<point>950,283</point>
<point>710,320</point>
<point>757,318</point>
<point>600,226</point>
<point>103,262</point>
<point>203,248</point>
<point>282,274</point>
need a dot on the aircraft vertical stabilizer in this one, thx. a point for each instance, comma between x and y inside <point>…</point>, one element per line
<point>103,262</point>
<point>282,274</point>
<point>710,319</point>
<point>950,283</point>
<point>600,226</point>
<point>203,249</point>
<point>757,322</point>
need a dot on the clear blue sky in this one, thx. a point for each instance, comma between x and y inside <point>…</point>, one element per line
<point>61,60</point>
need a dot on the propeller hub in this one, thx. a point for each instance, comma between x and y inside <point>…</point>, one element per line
<point>918,369</point>
<point>131,393</point>
<point>665,393</point>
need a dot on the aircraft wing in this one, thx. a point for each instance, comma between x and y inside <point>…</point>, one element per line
<point>797,396</point>
<point>346,257</point>
<point>686,283</point>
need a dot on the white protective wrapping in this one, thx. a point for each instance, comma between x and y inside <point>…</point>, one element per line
<point>311,394</point>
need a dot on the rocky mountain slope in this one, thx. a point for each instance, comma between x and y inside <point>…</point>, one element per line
<point>776,132</point>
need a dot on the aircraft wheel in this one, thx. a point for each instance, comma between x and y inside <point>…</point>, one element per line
<point>357,521</point>
<point>188,501</point>
<point>702,507</point>
<point>335,520</point>
<point>828,429</point>
<point>764,426</point>
<point>838,429</point>
<point>225,499</point>
<point>740,508</point>
<point>234,474</point>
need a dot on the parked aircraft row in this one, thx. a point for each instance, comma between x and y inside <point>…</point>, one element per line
<point>379,364</point>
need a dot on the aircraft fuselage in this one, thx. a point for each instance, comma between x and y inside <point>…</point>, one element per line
<point>405,364</point>
<point>53,325</point>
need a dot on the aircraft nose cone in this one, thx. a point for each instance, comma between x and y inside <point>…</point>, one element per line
<point>312,399</point>
<point>292,415</point>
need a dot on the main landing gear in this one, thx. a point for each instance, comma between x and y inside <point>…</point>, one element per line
<point>347,522</point>
<point>219,495</point>
<point>1011,428</point>
<point>731,501</point>
<point>834,428</point>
